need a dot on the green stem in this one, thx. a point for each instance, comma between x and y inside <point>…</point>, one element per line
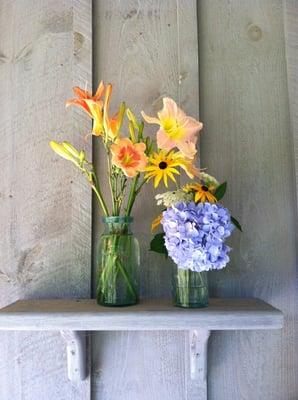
<point>140,187</point>
<point>132,195</point>
<point>93,180</point>
<point>120,195</point>
<point>110,182</point>
<point>100,199</point>
<point>125,275</point>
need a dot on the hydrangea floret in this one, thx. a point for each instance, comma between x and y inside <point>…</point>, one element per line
<point>195,235</point>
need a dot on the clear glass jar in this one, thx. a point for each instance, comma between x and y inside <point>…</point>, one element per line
<point>118,264</point>
<point>190,288</point>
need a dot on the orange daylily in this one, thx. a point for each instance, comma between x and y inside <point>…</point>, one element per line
<point>83,95</point>
<point>112,124</point>
<point>129,156</point>
<point>95,112</point>
<point>98,110</point>
<point>176,128</point>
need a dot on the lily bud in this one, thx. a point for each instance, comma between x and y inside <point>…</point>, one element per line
<point>140,128</point>
<point>71,149</point>
<point>121,115</point>
<point>62,151</point>
<point>132,132</point>
<point>82,156</point>
<point>132,119</point>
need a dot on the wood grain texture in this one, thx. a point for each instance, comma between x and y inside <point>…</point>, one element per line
<point>157,314</point>
<point>44,204</point>
<point>149,50</point>
<point>290,8</point>
<point>247,140</point>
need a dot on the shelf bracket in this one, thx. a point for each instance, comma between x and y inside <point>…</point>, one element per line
<point>76,354</point>
<point>198,347</point>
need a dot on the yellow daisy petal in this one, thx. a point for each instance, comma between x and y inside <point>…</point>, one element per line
<point>157,180</point>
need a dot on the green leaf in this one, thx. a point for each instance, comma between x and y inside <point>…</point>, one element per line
<point>220,191</point>
<point>236,223</point>
<point>157,244</point>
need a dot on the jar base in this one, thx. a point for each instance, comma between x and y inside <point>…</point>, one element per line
<point>190,305</point>
<point>111,305</point>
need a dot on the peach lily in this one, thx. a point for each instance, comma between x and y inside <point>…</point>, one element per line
<point>176,128</point>
<point>186,164</point>
<point>129,156</point>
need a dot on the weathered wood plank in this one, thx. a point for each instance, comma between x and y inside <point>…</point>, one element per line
<point>221,314</point>
<point>44,205</point>
<point>247,140</point>
<point>291,40</point>
<point>149,50</point>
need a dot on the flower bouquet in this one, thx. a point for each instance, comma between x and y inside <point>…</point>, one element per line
<point>132,159</point>
<point>195,227</point>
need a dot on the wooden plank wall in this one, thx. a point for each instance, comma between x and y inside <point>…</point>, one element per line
<point>149,49</point>
<point>291,40</point>
<point>45,206</point>
<point>247,140</point>
<point>140,47</point>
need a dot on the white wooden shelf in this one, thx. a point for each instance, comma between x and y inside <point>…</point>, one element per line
<point>73,317</point>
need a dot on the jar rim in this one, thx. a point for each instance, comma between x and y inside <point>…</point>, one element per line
<point>117,219</point>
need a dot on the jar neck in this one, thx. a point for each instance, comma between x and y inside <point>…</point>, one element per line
<point>117,225</point>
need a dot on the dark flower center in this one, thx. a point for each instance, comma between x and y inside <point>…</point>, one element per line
<point>163,165</point>
<point>204,188</point>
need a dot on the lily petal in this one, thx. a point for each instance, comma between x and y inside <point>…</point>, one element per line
<point>164,141</point>
<point>150,120</point>
<point>96,113</point>
<point>99,91</point>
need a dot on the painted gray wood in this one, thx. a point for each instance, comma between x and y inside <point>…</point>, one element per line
<point>291,38</point>
<point>73,317</point>
<point>143,47</point>
<point>149,50</point>
<point>158,314</point>
<point>44,204</point>
<point>247,140</point>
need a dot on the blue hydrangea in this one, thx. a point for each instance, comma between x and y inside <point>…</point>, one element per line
<point>195,235</point>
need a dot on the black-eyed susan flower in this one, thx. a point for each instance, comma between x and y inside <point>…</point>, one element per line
<point>202,193</point>
<point>162,165</point>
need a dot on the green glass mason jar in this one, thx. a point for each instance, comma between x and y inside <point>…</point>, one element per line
<point>118,264</point>
<point>190,288</point>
